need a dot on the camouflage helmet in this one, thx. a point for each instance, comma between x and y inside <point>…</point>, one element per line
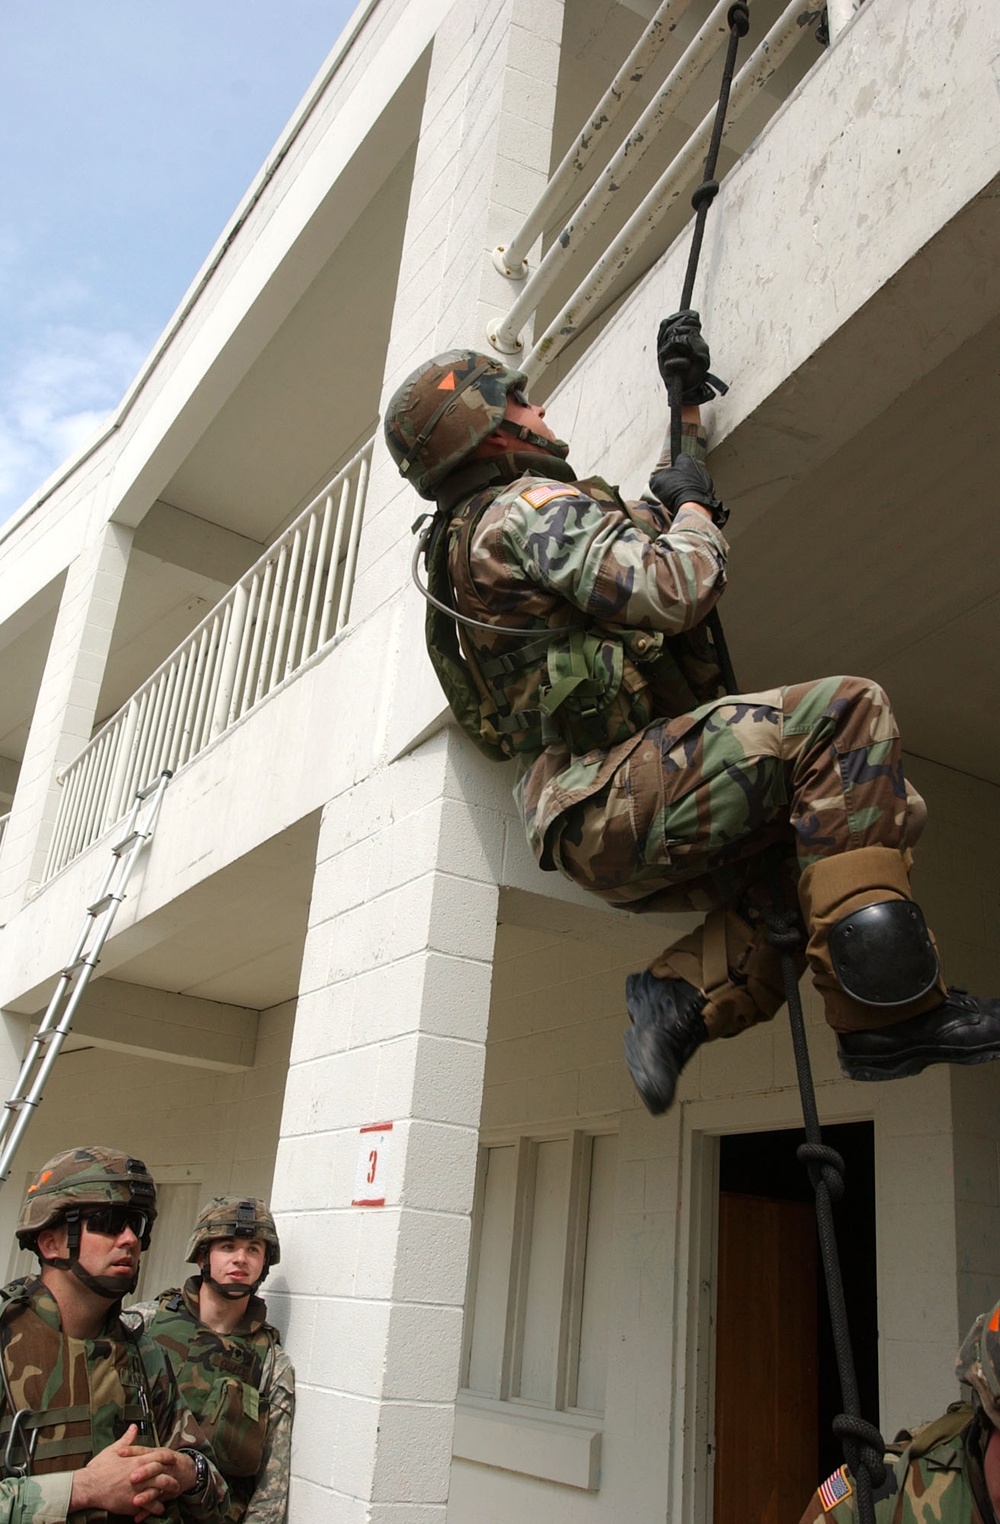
<point>84,1177</point>
<point>459,398</point>
<point>234,1217</point>
<point>978,1362</point>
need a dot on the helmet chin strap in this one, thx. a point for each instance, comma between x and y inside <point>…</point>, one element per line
<point>231,1293</point>
<point>557,447</point>
<point>108,1286</point>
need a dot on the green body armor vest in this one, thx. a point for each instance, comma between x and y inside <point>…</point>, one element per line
<point>583,683</point>
<point>220,1378</point>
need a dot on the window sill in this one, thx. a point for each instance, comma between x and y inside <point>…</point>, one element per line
<point>556,1449</point>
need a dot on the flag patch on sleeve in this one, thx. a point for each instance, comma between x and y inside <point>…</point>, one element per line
<point>537,497</point>
<point>835,1489</point>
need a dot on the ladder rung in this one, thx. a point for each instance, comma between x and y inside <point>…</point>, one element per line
<point>151,788</point>
<point>83,961</point>
<point>48,1039</point>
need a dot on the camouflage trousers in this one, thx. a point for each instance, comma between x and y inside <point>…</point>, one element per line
<point>699,814</point>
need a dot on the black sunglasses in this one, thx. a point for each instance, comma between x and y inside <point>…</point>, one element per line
<point>110,1221</point>
<point>519,395</point>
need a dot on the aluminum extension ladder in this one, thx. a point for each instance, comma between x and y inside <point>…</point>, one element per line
<point>44,1047</point>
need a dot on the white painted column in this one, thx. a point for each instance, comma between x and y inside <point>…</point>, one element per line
<point>67,705</point>
<point>390,1027</point>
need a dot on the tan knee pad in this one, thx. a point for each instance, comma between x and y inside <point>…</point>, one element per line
<point>734,966</point>
<point>831,889</point>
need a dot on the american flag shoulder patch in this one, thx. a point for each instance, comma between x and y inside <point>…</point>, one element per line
<point>537,497</point>
<point>835,1489</point>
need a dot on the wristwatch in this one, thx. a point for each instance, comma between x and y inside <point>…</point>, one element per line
<point>200,1471</point>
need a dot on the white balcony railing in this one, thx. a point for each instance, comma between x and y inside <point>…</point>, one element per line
<point>285,609</point>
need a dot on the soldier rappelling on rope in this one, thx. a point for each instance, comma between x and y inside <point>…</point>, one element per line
<point>569,633</point>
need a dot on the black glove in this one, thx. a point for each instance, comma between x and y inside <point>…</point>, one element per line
<point>687,481</point>
<point>681,349</point>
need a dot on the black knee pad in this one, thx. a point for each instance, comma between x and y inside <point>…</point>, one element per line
<point>883,953</point>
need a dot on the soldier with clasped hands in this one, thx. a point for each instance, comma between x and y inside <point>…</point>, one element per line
<point>92,1425</point>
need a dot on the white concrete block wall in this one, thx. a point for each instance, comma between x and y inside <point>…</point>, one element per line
<point>391,1027</point>
<point>554,1058</point>
<point>221,1128</point>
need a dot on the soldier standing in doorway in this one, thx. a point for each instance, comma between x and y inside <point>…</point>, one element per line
<point>227,1358</point>
<point>92,1424</point>
<point>582,653</point>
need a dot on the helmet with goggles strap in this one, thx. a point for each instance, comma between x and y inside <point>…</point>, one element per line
<point>445,409</point>
<point>233,1217</point>
<point>101,1185</point>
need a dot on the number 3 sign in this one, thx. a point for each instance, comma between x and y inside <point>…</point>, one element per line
<point>373,1156</point>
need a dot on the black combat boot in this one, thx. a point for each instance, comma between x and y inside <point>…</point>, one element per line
<point>666,1029</point>
<point>963,1029</point>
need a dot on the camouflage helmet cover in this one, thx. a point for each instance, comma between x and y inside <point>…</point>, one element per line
<point>443,410</point>
<point>79,1177</point>
<point>234,1217</point>
<point>978,1362</point>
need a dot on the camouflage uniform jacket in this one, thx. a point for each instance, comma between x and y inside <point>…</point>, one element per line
<point>635,583</point>
<point>90,1390</point>
<point>241,1388</point>
<point>934,1476</point>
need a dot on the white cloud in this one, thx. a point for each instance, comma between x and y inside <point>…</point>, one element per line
<point>53,397</point>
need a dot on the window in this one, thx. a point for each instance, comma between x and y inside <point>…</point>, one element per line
<point>540,1273</point>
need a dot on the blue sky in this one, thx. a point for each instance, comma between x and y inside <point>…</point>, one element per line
<point>130,130</point>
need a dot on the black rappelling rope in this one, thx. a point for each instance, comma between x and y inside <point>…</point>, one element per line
<point>862,1443</point>
<point>739,25</point>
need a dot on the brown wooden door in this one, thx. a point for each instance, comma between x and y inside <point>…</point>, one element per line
<point>765,1372</point>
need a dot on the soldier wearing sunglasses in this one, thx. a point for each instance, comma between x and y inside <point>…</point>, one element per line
<point>92,1422</point>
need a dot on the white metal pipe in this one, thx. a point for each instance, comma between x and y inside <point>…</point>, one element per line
<point>195,707</point>
<point>331,576</point>
<point>839,13</point>
<point>173,710</point>
<point>227,673</point>
<point>351,559</point>
<point>291,579</point>
<point>582,305</point>
<point>308,644</point>
<point>203,686</point>
<point>105,773</point>
<point>143,697</point>
<point>273,611</point>
<point>300,597</point>
<point>161,736</point>
<point>263,603</point>
<point>175,756</point>
<point>505,336</point>
<point>249,619</point>
<point>510,259</point>
<point>78,817</point>
<point>123,747</point>
<point>217,649</point>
